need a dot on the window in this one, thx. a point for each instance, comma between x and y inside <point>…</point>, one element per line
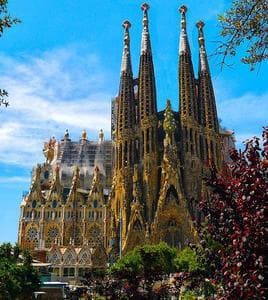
<point>46,174</point>
<point>34,204</point>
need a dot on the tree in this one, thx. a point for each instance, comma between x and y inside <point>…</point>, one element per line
<point>18,279</point>
<point>143,266</point>
<point>235,220</point>
<point>6,21</point>
<point>244,26</point>
<point>194,277</point>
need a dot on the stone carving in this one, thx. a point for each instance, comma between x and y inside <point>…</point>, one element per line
<point>49,149</point>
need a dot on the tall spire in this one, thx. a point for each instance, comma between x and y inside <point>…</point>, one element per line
<point>126,91</point>
<point>126,62</point>
<point>126,105</point>
<point>148,119</point>
<point>188,101</point>
<point>203,62</point>
<point>147,92</point>
<point>208,112</point>
<point>184,44</point>
<point>145,41</point>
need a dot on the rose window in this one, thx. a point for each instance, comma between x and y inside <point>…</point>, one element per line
<point>32,234</point>
<point>53,232</point>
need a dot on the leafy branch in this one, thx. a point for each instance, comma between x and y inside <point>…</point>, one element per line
<point>6,21</point>
<point>244,25</point>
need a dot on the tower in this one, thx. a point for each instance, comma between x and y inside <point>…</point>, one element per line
<point>124,143</point>
<point>191,133</point>
<point>148,121</point>
<point>210,145</point>
<point>106,197</point>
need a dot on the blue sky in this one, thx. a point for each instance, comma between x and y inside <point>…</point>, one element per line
<point>61,68</point>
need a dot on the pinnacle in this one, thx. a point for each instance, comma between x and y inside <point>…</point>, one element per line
<point>145,7</point>
<point>200,24</point>
<point>183,9</point>
<point>126,24</point>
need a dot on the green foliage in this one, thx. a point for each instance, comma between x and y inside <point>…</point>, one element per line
<point>187,261</point>
<point>18,279</point>
<point>6,21</point>
<point>142,267</point>
<point>169,121</point>
<point>128,266</point>
<point>189,295</point>
<point>244,26</point>
<point>148,261</point>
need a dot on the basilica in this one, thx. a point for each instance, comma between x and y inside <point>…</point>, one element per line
<point>90,202</point>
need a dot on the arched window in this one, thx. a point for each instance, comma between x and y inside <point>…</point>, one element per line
<point>172,195</point>
<point>172,235</point>
<point>46,174</point>
<point>137,225</point>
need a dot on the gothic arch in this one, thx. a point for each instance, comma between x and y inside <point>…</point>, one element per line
<point>69,257</point>
<point>84,256</point>
<point>137,225</point>
<point>54,256</point>
<point>172,196</point>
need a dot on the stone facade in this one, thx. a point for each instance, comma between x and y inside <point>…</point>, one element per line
<point>91,201</point>
<point>66,206</point>
<point>161,157</point>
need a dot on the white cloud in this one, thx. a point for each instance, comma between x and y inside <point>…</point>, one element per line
<point>62,89</point>
<point>246,114</point>
<point>58,89</point>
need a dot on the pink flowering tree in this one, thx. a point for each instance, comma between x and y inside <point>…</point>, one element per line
<point>235,218</point>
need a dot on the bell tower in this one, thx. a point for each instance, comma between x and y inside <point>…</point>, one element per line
<point>188,115</point>
<point>148,121</point>
<point>207,109</point>
<point>124,142</point>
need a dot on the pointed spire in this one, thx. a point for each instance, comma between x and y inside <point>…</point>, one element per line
<point>184,44</point>
<point>203,62</point>
<point>76,179</point>
<point>126,62</point>
<point>125,119</point>
<point>147,91</point>
<point>207,110</point>
<point>36,183</point>
<point>56,184</point>
<point>126,89</point>
<point>36,186</point>
<point>188,101</point>
<point>145,41</point>
<point>57,175</point>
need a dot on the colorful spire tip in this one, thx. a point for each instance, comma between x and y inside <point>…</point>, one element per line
<point>145,7</point>
<point>126,24</point>
<point>183,9</point>
<point>200,24</point>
